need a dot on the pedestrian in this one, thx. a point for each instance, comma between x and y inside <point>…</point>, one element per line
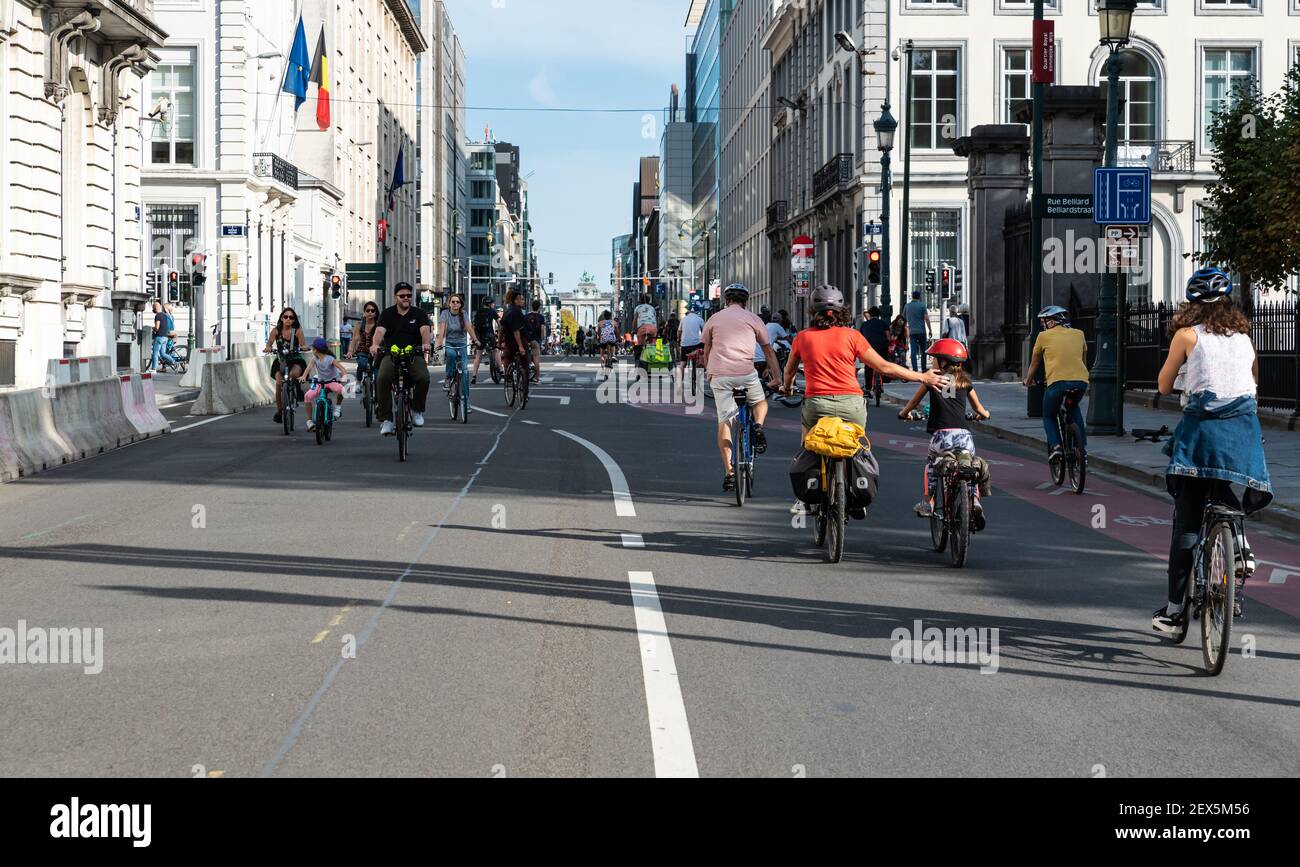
<point>954,326</point>
<point>164,328</point>
<point>918,328</point>
<point>345,334</point>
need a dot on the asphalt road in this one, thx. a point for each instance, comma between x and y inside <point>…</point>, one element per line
<point>513,614</point>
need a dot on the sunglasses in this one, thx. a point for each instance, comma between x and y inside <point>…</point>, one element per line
<point>407,295</point>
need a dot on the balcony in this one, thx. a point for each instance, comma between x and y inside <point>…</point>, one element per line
<point>1162,157</point>
<point>777,214</point>
<point>833,177</point>
<point>279,170</point>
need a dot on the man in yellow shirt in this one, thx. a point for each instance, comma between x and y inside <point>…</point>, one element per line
<point>1065,352</point>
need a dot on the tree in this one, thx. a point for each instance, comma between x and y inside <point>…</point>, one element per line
<point>1251,219</point>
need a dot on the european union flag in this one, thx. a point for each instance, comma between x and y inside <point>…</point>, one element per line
<point>298,73</point>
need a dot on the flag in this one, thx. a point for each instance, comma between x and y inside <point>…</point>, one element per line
<point>399,179</point>
<point>320,74</point>
<point>297,74</point>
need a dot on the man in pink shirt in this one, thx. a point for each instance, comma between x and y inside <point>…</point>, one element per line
<point>729,337</point>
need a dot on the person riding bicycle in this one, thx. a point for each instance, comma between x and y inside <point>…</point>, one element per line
<point>779,339</point>
<point>455,333</point>
<point>362,336</point>
<point>400,326</point>
<point>290,329</point>
<point>1218,443</point>
<point>829,350</point>
<point>324,368</point>
<point>536,334</point>
<point>607,333</point>
<point>947,418</point>
<point>728,340</point>
<point>690,332</point>
<point>485,326</point>
<point>647,324</point>
<point>514,330</point>
<point>1064,351</point>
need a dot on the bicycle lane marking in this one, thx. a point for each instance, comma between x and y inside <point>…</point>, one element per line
<point>670,730</point>
<point>1130,514</point>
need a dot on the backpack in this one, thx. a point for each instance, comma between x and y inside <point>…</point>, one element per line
<point>835,438</point>
<point>657,354</point>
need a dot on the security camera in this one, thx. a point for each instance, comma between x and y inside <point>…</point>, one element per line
<point>160,108</point>
<point>846,41</point>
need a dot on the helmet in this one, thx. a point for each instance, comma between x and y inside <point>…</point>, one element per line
<point>1054,312</point>
<point>949,350</point>
<point>827,297</point>
<point>736,292</point>
<point>1209,285</point>
<point>320,345</point>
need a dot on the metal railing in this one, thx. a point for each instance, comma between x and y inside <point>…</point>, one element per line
<point>777,214</point>
<point>836,174</point>
<point>1159,156</point>
<point>280,170</point>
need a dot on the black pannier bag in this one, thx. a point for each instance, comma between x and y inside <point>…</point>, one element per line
<point>864,480</point>
<point>806,477</point>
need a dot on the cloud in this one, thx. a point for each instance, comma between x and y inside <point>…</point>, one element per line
<point>541,90</point>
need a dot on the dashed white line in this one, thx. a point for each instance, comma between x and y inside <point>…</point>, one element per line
<point>670,732</point>
<point>633,540</point>
<point>489,412</point>
<point>200,423</point>
<point>529,422</point>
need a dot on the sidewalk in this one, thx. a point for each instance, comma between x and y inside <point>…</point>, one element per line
<point>169,392</point>
<point>1141,462</point>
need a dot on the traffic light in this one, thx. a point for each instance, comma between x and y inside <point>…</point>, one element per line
<point>174,287</point>
<point>947,282</point>
<point>929,279</point>
<point>552,280</point>
<point>336,286</point>
<point>198,270</point>
<point>873,265</point>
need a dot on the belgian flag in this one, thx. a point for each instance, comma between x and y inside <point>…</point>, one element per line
<point>320,75</point>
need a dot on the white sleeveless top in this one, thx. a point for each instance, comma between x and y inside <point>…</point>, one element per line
<point>1223,365</point>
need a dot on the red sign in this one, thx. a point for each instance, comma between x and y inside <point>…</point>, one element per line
<point>1044,61</point>
<point>803,247</point>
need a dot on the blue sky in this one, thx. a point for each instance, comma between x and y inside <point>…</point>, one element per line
<point>604,54</point>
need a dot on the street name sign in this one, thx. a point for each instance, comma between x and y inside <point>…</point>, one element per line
<point>1066,206</point>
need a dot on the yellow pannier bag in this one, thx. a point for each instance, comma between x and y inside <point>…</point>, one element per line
<point>835,438</point>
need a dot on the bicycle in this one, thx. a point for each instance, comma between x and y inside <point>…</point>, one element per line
<point>1074,457</point>
<point>366,383</point>
<point>517,376</point>
<point>877,385</point>
<point>956,485</point>
<point>292,397</point>
<point>831,516</point>
<point>742,446</point>
<point>457,392</point>
<point>180,353</point>
<point>1214,595</point>
<point>693,372</point>
<point>403,415</point>
<point>322,413</point>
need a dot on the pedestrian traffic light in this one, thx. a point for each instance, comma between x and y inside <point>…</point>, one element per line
<point>873,265</point>
<point>947,281</point>
<point>174,287</point>
<point>929,279</point>
<point>336,286</point>
<point>198,269</point>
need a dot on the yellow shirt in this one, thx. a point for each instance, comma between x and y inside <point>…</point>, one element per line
<point>1063,350</point>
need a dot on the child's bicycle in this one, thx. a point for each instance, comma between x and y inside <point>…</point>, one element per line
<point>322,413</point>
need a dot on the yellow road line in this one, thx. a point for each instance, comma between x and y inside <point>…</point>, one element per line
<point>320,636</point>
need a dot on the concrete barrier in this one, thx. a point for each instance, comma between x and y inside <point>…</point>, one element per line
<point>247,350</point>
<point>64,371</point>
<point>91,418</point>
<point>231,387</point>
<point>140,404</point>
<point>201,358</point>
<point>28,437</point>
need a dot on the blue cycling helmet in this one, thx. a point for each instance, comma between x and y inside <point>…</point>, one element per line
<point>1058,313</point>
<point>736,292</point>
<point>1209,285</point>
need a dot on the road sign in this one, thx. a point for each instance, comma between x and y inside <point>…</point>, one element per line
<point>1123,248</point>
<point>365,276</point>
<point>803,283</point>
<point>873,229</point>
<point>232,231</point>
<point>1066,206</point>
<point>1122,196</point>
<point>1044,52</point>
<point>230,268</point>
<point>803,253</point>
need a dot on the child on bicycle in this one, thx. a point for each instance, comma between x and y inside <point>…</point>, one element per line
<point>324,367</point>
<point>1218,442</point>
<point>948,414</point>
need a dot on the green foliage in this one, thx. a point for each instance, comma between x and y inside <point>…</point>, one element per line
<point>1251,218</point>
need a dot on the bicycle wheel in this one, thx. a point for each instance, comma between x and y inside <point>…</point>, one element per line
<point>368,398</point>
<point>509,386</point>
<point>319,418</point>
<point>836,515</point>
<point>1058,467</point>
<point>1076,461</point>
<point>525,378</point>
<point>959,535</point>
<point>1218,565</point>
<point>287,412</point>
<point>453,396</point>
<point>739,433</point>
<point>938,521</point>
<point>496,373</point>
<point>399,419</point>
<point>329,425</point>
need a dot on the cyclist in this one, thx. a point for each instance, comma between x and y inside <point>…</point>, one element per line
<point>401,325</point>
<point>290,329</point>
<point>325,369</point>
<point>778,338</point>
<point>536,334</point>
<point>1064,352</point>
<point>607,331</point>
<point>647,324</point>
<point>455,332</point>
<point>1212,360</point>
<point>362,336</point>
<point>485,326</point>
<point>514,330</point>
<point>673,335</point>
<point>829,351</point>
<point>728,340</point>
<point>947,419</point>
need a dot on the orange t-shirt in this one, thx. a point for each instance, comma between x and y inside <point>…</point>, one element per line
<point>830,360</point>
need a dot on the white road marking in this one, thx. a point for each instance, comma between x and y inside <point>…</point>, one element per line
<point>200,423</point>
<point>530,422</point>
<point>633,540</point>
<point>489,412</point>
<point>670,732</point>
<point>564,401</point>
<point>617,481</point>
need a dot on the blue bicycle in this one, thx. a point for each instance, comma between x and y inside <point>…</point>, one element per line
<point>742,447</point>
<point>322,413</point>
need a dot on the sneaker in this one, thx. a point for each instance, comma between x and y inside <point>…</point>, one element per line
<point>1161,621</point>
<point>760,439</point>
<point>729,483</point>
<point>338,413</point>
<point>388,429</point>
<point>924,509</point>
<point>279,418</point>
<point>311,425</point>
<point>978,521</point>
<point>473,380</point>
<point>418,418</point>
<point>1245,562</point>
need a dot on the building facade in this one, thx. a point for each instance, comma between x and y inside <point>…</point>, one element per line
<point>709,20</point>
<point>71,153</point>
<point>442,190</point>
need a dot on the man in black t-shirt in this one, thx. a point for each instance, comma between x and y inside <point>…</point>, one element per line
<point>514,328</point>
<point>485,326</point>
<point>401,325</point>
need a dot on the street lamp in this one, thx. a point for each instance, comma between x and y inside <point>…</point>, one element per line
<point>886,129</point>
<point>1106,409</point>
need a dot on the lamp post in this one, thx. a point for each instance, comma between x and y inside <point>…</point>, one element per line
<point>886,128</point>
<point>1105,412</point>
<point>1036,389</point>
<point>904,288</point>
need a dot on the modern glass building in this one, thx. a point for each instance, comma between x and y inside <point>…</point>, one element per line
<point>703,108</point>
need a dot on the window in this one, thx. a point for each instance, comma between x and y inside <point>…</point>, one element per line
<point>1016,80</point>
<point>172,141</point>
<point>1223,70</point>
<point>1139,83</point>
<point>1218,6</point>
<point>935,88</point>
<point>936,239</point>
<point>173,236</point>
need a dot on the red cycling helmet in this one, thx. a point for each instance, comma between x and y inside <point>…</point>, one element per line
<point>949,350</point>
